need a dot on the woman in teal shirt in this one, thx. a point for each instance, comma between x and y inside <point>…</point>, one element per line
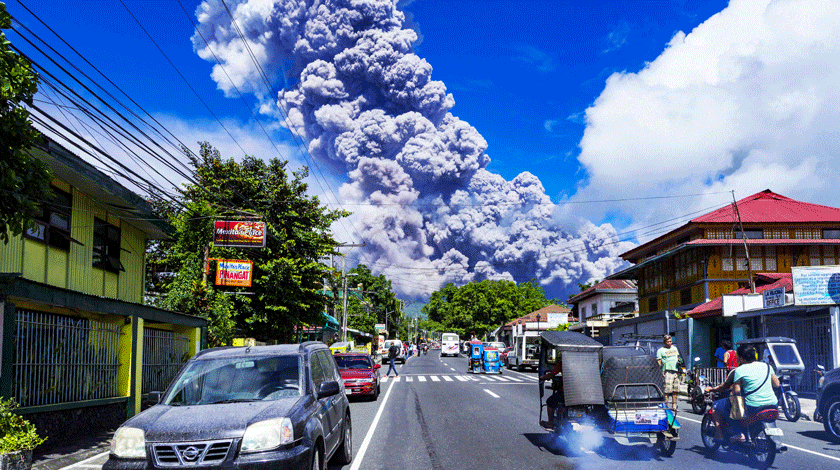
<point>754,380</point>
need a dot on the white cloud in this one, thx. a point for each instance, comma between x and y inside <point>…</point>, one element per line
<point>745,101</point>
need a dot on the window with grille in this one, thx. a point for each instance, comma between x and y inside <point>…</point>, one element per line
<point>106,246</point>
<point>749,233</point>
<point>806,233</point>
<point>815,256</point>
<point>770,258</point>
<point>830,254</point>
<point>52,221</point>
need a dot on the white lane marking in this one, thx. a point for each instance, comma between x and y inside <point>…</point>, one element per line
<point>462,378</point>
<point>408,379</point>
<point>89,459</point>
<point>434,378</point>
<point>489,379</point>
<point>453,370</point>
<point>421,378</point>
<point>514,379</point>
<point>447,378</point>
<point>502,379</point>
<point>491,393</point>
<point>397,378</point>
<point>357,459</point>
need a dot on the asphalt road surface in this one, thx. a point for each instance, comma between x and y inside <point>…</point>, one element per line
<point>436,416</point>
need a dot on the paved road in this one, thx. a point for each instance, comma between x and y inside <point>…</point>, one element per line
<point>435,416</point>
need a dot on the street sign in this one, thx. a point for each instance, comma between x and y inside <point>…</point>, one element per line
<point>379,327</point>
<point>239,234</point>
<point>816,285</point>
<point>234,272</point>
<point>774,297</point>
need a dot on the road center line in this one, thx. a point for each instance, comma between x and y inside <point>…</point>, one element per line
<point>357,460</point>
<point>491,393</point>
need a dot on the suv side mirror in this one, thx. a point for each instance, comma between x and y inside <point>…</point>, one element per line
<point>155,397</point>
<point>328,389</point>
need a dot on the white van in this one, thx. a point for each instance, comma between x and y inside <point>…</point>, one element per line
<point>383,350</point>
<point>449,345</point>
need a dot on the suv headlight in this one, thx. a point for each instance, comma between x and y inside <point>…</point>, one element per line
<point>269,434</point>
<point>129,443</point>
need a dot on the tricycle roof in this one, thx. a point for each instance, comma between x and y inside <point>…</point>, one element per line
<point>767,339</point>
<point>570,341</point>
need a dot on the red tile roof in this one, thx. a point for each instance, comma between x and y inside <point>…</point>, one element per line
<point>714,307</point>
<point>767,206</point>
<point>607,284</point>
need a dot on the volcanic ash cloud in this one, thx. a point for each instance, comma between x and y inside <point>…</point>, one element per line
<point>368,108</point>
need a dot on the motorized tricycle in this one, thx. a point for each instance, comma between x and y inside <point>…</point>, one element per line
<point>623,399</point>
<point>783,355</point>
<point>484,359</point>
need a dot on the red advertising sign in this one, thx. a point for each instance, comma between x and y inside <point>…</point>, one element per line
<point>239,234</point>
<point>234,272</point>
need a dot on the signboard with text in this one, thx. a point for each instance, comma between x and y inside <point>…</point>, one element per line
<point>239,234</point>
<point>816,285</point>
<point>774,297</point>
<point>233,272</point>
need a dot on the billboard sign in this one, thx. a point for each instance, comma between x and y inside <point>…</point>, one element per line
<point>239,234</point>
<point>234,272</point>
<point>379,327</point>
<point>816,285</point>
<point>774,297</point>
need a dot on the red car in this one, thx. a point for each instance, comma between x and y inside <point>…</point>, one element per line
<point>359,374</point>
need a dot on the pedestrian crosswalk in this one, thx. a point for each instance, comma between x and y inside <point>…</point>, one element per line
<point>458,378</point>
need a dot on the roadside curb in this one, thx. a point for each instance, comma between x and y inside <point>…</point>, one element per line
<point>62,457</point>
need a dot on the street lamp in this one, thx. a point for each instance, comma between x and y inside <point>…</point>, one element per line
<point>538,322</point>
<point>344,315</point>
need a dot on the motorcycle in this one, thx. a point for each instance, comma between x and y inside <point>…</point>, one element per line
<point>762,438</point>
<point>788,400</point>
<point>697,383</point>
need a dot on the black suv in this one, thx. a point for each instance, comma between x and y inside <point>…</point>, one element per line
<point>243,408</point>
<point>828,403</point>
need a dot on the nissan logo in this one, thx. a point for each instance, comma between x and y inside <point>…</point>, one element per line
<point>190,453</point>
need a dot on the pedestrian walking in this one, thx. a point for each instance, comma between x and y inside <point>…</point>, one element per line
<point>668,356</point>
<point>393,352</point>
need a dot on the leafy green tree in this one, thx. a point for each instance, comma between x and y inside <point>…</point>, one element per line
<point>480,307</point>
<point>25,181</point>
<point>288,278</point>
<point>378,300</point>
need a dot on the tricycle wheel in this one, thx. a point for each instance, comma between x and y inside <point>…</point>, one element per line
<point>698,401</point>
<point>707,432</point>
<point>665,447</point>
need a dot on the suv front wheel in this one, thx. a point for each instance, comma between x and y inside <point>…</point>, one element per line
<point>344,455</point>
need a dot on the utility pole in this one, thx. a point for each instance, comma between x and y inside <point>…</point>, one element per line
<point>744,238</point>
<point>344,275</point>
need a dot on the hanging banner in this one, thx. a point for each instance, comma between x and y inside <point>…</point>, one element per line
<point>239,234</point>
<point>234,272</point>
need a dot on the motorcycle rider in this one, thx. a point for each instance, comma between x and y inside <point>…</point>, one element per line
<point>755,380</point>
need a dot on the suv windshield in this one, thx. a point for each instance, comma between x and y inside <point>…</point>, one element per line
<point>353,362</point>
<point>236,379</point>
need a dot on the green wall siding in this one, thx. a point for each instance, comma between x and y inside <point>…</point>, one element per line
<point>74,269</point>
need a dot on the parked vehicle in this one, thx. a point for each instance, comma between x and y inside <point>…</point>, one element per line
<point>283,406</point>
<point>828,402</point>
<point>342,347</point>
<point>624,400</point>
<point>525,351</point>
<point>783,355</point>
<point>763,438</point>
<point>697,381</point>
<point>449,344</point>
<point>360,375</point>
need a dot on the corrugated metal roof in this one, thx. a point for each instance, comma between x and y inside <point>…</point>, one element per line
<point>605,285</point>
<point>767,206</point>
<point>764,241</point>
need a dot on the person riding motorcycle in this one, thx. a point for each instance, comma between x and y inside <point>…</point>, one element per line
<point>755,381</point>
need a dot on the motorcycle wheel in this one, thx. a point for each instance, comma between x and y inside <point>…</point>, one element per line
<point>707,432</point>
<point>793,411</point>
<point>762,450</point>
<point>698,401</point>
<point>831,420</point>
<point>665,447</point>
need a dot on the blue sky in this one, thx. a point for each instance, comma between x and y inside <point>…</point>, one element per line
<point>578,128</point>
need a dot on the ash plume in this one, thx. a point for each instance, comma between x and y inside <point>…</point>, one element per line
<point>427,208</point>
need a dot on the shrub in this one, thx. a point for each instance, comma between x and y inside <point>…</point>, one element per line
<point>16,433</point>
